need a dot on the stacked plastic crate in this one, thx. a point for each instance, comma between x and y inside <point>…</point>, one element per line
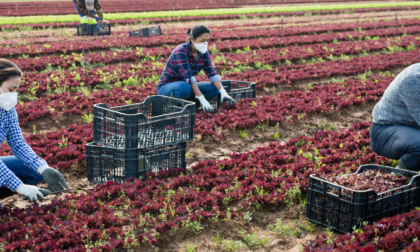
<point>134,139</point>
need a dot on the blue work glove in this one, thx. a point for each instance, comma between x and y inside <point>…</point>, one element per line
<point>97,19</point>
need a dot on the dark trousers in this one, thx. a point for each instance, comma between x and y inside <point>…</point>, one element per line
<point>397,142</point>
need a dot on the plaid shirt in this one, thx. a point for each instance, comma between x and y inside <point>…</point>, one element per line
<point>10,130</point>
<point>182,66</point>
<point>82,7</point>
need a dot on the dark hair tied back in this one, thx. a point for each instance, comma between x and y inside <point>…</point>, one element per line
<point>198,30</point>
<point>7,70</point>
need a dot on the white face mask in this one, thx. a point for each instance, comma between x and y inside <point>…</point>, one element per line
<point>8,100</point>
<point>201,47</point>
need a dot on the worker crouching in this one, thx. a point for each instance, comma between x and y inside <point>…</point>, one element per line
<point>395,131</point>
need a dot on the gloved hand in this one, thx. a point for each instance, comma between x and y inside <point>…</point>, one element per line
<point>205,104</point>
<point>32,193</point>
<point>97,19</point>
<point>53,178</point>
<point>225,97</point>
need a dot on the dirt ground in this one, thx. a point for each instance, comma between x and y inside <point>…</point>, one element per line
<point>213,148</point>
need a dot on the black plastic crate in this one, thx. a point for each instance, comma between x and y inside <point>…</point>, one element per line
<point>146,32</point>
<point>344,210</point>
<point>158,121</point>
<point>100,30</point>
<point>93,30</point>
<point>106,164</point>
<point>238,90</point>
<point>83,30</point>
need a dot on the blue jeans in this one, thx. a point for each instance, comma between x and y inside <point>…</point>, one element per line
<point>80,12</point>
<point>182,90</point>
<point>397,142</point>
<point>28,175</point>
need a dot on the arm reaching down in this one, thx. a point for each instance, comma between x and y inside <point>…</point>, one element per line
<point>18,144</point>
<point>23,151</point>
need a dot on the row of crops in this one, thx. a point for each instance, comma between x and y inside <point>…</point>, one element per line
<point>352,63</point>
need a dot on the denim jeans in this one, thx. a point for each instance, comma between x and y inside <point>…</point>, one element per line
<point>28,175</point>
<point>397,142</point>
<point>183,90</point>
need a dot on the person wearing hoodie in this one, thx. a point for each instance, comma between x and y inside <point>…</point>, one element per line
<point>186,61</point>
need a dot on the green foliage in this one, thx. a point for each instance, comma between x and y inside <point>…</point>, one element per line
<point>193,225</point>
<point>262,126</point>
<point>337,80</point>
<point>217,239</point>
<point>247,216</point>
<point>277,133</point>
<point>243,133</point>
<point>292,194</point>
<point>361,225</point>
<point>330,234</point>
<point>230,245</point>
<point>64,142</point>
<point>88,118</point>
<point>189,247</point>
<point>280,228</point>
<point>253,241</point>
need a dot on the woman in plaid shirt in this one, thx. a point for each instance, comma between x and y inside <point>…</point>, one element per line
<point>185,62</point>
<point>19,173</point>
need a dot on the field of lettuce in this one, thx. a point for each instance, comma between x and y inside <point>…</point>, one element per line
<point>319,73</point>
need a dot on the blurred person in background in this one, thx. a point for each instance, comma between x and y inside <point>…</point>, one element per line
<point>86,9</point>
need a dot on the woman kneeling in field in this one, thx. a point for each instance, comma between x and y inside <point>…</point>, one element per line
<point>19,173</point>
<point>186,61</point>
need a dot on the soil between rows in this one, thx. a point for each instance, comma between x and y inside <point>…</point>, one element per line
<point>213,148</point>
